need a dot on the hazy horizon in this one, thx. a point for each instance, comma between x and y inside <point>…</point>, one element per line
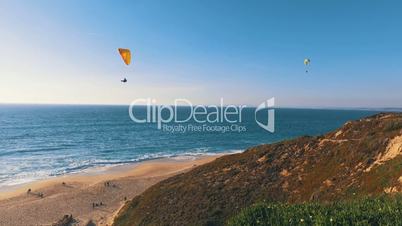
<point>247,106</point>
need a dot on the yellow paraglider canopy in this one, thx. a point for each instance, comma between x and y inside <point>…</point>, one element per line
<point>307,63</point>
<point>125,55</point>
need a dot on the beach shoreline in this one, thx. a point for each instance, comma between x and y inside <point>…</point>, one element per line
<point>92,195</point>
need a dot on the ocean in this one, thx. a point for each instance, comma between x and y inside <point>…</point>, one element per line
<point>42,141</point>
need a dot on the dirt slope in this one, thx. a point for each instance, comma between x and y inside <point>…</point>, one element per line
<point>362,158</point>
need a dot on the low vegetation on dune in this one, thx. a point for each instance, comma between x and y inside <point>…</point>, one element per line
<point>369,211</point>
<point>361,159</point>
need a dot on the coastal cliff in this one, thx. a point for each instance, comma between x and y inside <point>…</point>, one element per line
<point>362,158</point>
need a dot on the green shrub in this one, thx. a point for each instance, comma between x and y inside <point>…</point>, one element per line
<point>369,211</point>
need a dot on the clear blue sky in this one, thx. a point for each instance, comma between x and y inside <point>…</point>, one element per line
<point>243,51</point>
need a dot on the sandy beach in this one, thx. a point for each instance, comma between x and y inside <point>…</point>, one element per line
<point>95,196</point>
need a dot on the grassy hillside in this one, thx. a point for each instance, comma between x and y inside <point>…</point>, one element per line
<point>363,158</point>
<point>369,211</point>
